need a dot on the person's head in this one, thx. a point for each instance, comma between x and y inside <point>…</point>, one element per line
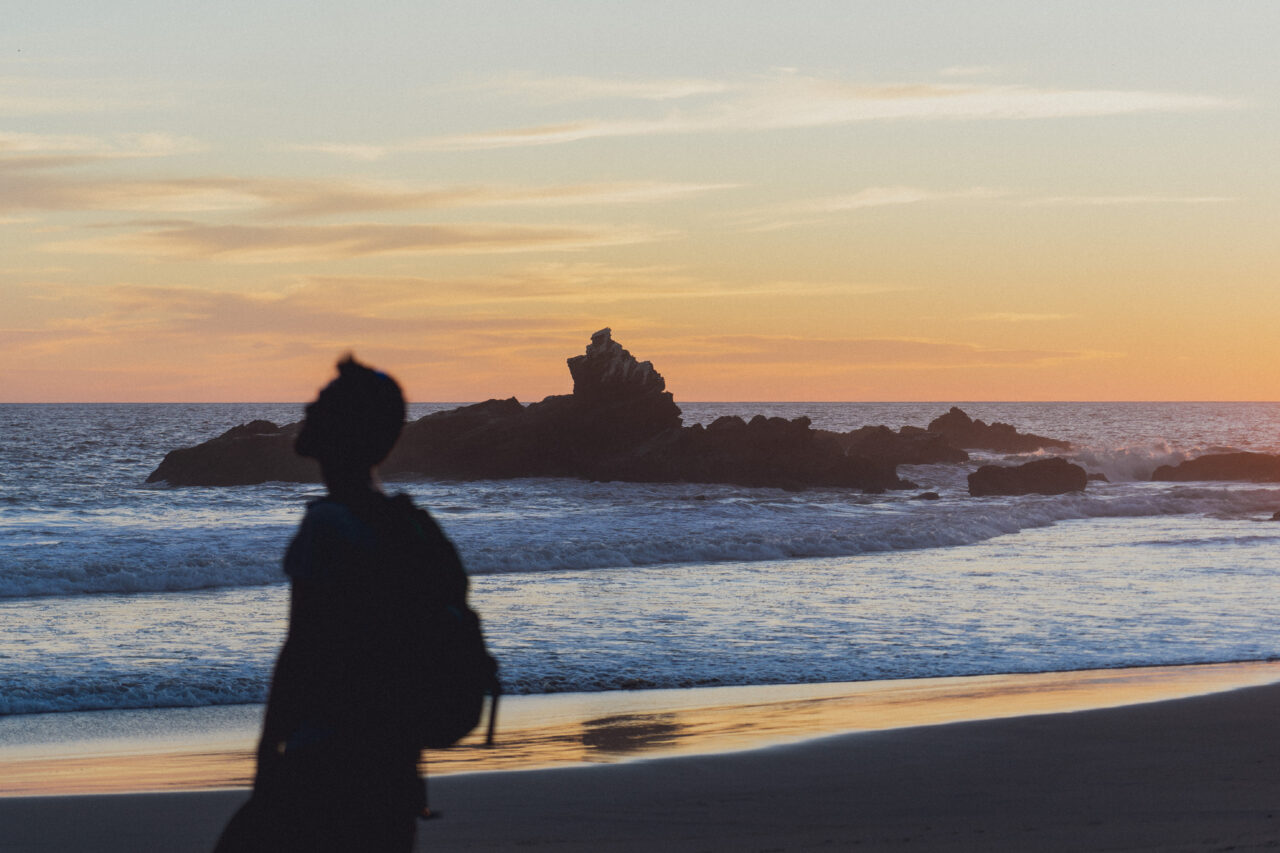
<point>355,420</point>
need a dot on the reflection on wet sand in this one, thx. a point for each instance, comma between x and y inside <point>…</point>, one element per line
<point>629,733</point>
<point>558,730</point>
<point>118,773</point>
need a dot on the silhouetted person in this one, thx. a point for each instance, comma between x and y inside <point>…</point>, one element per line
<point>337,762</point>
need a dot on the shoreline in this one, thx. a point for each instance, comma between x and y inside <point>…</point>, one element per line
<point>177,750</point>
<point>1191,774</point>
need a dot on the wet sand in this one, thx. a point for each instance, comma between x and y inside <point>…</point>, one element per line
<point>211,748</point>
<point>1199,773</point>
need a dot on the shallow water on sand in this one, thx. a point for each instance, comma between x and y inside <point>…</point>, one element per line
<point>1079,594</point>
<point>203,748</point>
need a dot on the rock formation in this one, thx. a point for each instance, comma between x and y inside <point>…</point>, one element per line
<point>618,407</point>
<point>256,452</point>
<point>759,452</point>
<point>1250,467</point>
<point>962,431</point>
<point>907,446</point>
<point>606,371</point>
<point>620,423</point>
<point>1053,476</point>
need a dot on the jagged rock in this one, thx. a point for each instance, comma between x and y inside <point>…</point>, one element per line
<point>256,452</point>
<point>908,446</point>
<point>258,427</point>
<point>619,423</point>
<point>760,452</point>
<point>617,400</point>
<point>1098,477</point>
<point>1053,476</point>
<point>727,423</point>
<point>606,371</point>
<point>1250,467</point>
<point>962,431</point>
<point>467,442</point>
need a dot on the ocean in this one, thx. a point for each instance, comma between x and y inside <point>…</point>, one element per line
<point>116,594</point>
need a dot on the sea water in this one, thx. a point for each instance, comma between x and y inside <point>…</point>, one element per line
<point>115,593</point>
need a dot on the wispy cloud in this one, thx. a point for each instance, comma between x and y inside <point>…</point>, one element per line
<point>38,189</point>
<point>790,100</point>
<point>1018,317</point>
<point>851,354</point>
<point>971,71</point>
<point>271,325</point>
<point>37,182</point>
<point>113,146</point>
<point>393,309</point>
<point>541,283</point>
<point>578,88</point>
<point>547,134</point>
<point>295,243</point>
<point>814,210</point>
<point>355,151</point>
<point>1126,200</point>
<point>560,282</point>
<point>318,199</point>
<point>42,341</point>
<point>886,196</point>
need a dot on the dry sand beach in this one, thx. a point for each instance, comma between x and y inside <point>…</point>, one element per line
<point>1197,773</point>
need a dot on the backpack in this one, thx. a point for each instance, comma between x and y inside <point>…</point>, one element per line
<point>456,671</point>
<point>453,691</point>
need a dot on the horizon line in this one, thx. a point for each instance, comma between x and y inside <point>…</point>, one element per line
<point>677,402</point>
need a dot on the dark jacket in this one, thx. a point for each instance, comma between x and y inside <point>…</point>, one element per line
<point>365,580</point>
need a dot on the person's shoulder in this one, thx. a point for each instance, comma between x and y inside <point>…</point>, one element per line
<point>334,521</point>
<point>326,511</point>
<point>330,533</point>
<point>421,525</point>
<point>403,506</point>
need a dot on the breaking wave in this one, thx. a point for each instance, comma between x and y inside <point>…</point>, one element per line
<point>540,526</point>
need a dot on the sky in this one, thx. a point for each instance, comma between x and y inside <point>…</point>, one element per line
<point>807,200</point>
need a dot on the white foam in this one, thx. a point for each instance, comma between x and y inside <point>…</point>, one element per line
<point>592,586</point>
<point>557,525</point>
<point>1081,594</point>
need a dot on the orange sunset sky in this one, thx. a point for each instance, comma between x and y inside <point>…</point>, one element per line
<point>770,201</point>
